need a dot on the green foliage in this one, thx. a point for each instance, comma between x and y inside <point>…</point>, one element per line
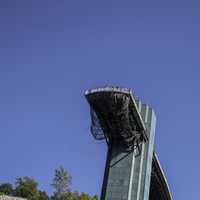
<point>75,196</point>
<point>95,197</point>
<point>27,187</point>
<point>1,193</point>
<point>6,188</point>
<point>85,196</point>
<point>43,195</point>
<point>61,181</point>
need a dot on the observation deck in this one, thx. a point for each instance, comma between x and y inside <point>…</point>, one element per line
<point>115,117</point>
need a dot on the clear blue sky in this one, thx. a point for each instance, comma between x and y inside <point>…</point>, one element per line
<point>52,50</point>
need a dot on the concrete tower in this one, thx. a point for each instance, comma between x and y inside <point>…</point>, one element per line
<point>132,170</point>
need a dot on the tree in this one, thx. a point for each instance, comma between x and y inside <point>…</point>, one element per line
<point>85,196</point>
<point>61,182</point>
<point>95,197</point>
<point>27,187</point>
<point>75,195</point>
<point>6,188</point>
<point>43,195</point>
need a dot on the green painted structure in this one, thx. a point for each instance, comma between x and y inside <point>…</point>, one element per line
<point>133,172</point>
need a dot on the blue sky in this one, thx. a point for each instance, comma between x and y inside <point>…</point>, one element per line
<point>52,51</point>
